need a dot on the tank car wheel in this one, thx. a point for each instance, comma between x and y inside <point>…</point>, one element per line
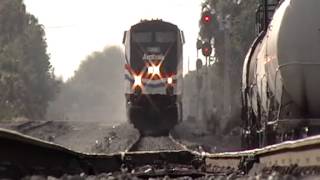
<point>268,136</point>
<point>251,136</point>
<point>246,139</point>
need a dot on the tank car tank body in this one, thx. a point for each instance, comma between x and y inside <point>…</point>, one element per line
<point>153,76</point>
<point>281,77</point>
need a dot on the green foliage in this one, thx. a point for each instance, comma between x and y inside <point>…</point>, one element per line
<point>233,30</point>
<point>27,82</point>
<point>240,15</point>
<point>95,92</point>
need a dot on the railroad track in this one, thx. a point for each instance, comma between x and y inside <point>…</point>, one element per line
<point>299,156</point>
<point>31,126</point>
<point>302,156</point>
<point>161,143</point>
<point>45,130</point>
<point>158,157</point>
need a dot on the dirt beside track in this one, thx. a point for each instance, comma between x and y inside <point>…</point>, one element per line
<point>44,130</point>
<point>96,137</point>
<point>82,136</point>
<point>196,137</point>
<point>100,137</point>
<point>116,139</point>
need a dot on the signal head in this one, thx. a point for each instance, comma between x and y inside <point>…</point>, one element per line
<point>206,49</point>
<point>206,17</point>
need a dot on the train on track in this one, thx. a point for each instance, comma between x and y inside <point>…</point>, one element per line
<point>280,83</point>
<point>153,76</point>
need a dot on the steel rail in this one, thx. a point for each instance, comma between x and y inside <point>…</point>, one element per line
<point>31,125</point>
<point>18,150</point>
<point>299,153</point>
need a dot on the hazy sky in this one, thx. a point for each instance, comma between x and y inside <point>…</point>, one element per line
<point>76,28</point>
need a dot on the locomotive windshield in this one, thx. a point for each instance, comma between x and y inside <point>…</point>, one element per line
<point>165,37</point>
<point>154,45</point>
<point>142,37</point>
<point>157,37</point>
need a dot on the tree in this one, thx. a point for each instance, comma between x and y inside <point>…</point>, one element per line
<point>95,92</point>
<point>233,34</point>
<point>232,29</point>
<point>27,81</point>
<point>241,15</point>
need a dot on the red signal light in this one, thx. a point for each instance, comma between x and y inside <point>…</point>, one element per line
<point>206,49</point>
<point>206,17</point>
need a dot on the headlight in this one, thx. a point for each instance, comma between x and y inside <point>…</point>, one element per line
<point>150,70</point>
<point>170,80</point>
<point>137,81</point>
<point>137,85</point>
<point>154,69</point>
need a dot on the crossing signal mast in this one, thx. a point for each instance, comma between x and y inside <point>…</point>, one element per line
<point>206,34</point>
<point>206,20</point>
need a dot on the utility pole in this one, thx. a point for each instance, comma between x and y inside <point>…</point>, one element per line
<point>227,66</point>
<point>188,64</point>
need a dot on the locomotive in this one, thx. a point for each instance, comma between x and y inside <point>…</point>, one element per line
<point>280,81</point>
<point>153,76</point>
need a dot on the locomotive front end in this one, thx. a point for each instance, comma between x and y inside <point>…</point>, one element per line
<point>153,74</point>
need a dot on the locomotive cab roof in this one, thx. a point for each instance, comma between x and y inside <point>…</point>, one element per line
<point>158,24</point>
<point>154,25</point>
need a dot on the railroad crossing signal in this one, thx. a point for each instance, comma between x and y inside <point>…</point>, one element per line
<point>206,49</point>
<point>206,18</point>
<point>206,21</point>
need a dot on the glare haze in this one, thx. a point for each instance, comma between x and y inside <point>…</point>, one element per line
<point>76,28</point>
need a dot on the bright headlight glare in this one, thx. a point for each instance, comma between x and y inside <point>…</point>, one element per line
<point>137,81</point>
<point>156,70</point>
<point>170,80</point>
<point>150,70</point>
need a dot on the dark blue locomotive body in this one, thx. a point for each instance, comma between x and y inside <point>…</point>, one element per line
<point>153,75</point>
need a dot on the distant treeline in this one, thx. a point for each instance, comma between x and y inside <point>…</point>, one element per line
<point>95,92</point>
<point>28,87</point>
<point>27,81</point>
